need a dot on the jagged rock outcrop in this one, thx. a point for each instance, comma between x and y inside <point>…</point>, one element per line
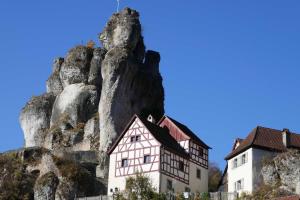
<point>91,95</point>
<point>45,187</point>
<point>35,119</point>
<point>95,77</point>
<point>92,133</point>
<point>283,171</point>
<point>78,101</point>
<point>76,67</point>
<point>129,85</point>
<point>54,84</point>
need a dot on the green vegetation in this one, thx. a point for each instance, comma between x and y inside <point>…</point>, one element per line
<point>265,192</point>
<point>15,182</point>
<point>139,187</point>
<point>214,177</point>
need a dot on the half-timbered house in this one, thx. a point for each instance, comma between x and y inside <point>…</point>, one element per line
<point>167,152</point>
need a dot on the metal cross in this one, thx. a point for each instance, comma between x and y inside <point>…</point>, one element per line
<point>118,1</point>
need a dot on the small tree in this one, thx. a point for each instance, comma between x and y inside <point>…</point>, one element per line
<point>140,187</point>
<point>214,177</point>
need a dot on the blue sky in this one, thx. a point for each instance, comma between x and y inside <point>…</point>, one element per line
<point>228,66</point>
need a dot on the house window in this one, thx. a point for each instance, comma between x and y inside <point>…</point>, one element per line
<point>239,185</point>
<point>244,158</point>
<point>147,159</point>
<point>181,166</point>
<point>132,139</point>
<point>169,185</point>
<point>198,173</point>
<point>235,163</point>
<point>136,138</point>
<point>124,162</point>
<point>200,152</point>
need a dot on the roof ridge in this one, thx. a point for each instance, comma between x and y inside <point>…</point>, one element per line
<point>255,135</point>
<point>263,127</point>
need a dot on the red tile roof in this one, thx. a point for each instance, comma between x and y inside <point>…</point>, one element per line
<point>266,138</point>
<point>186,130</point>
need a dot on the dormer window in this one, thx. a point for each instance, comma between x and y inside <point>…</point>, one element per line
<point>151,119</point>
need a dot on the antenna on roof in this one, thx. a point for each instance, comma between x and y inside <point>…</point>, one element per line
<point>118,5</point>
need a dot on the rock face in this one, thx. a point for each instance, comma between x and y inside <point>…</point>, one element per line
<point>77,101</point>
<point>92,94</point>
<point>45,187</point>
<point>54,84</point>
<point>75,69</point>
<point>129,85</point>
<point>95,77</point>
<point>35,119</point>
<point>284,170</point>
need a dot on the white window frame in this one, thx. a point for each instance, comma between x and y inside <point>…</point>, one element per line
<point>239,185</point>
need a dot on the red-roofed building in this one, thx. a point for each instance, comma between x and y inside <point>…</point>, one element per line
<point>244,162</point>
<point>169,153</point>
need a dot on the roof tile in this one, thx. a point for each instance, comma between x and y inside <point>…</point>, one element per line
<point>265,138</point>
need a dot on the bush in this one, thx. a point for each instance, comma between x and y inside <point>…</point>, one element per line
<point>204,196</point>
<point>139,187</point>
<point>15,182</point>
<point>214,177</point>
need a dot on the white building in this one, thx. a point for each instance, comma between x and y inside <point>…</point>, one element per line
<point>170,154</point>
<point>245,161</point>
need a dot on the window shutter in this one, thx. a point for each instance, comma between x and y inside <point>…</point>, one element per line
<point>246,157</point>
<point>242,184</point>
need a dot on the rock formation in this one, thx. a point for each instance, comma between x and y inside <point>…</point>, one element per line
<point>91,95</point>
<point>283,171</point>
<point>131,80</point>
<point>35,119</point>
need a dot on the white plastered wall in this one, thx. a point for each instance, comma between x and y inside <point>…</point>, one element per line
<point>134,152</point>
<point>120,182</point>
<point>241,172</point>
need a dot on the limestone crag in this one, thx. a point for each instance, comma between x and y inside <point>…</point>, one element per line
<point>131,83</point>
<point>283,171</point>
<point>91,95</point>
<point>45,186</point>
<point>75,69</point>
<point>78,101</point>
<point>54,83</point>
<point>35,119</point>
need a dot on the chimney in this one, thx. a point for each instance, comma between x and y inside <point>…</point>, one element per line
<point>151,119</point>
<point>286,137</point>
